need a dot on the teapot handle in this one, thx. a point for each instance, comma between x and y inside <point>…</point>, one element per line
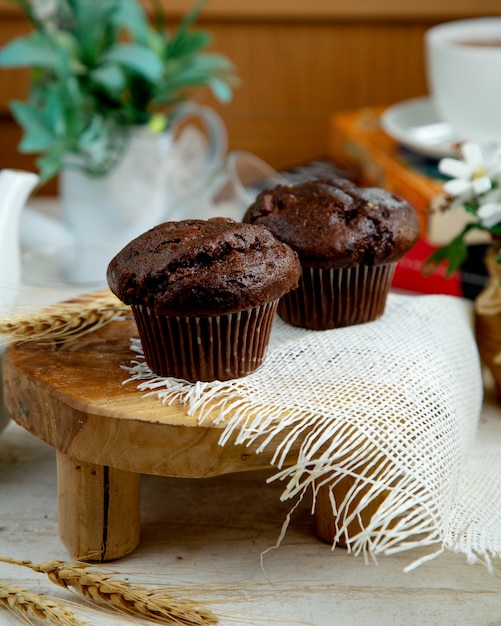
<point>15,187</point>
<point>214,127</point>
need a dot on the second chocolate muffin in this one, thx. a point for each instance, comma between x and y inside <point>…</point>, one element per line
<point>348,240</point>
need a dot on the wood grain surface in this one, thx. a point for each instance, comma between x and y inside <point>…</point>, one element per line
<point>72,396</point>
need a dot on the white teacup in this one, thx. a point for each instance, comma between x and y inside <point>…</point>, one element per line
<point>463,64</point>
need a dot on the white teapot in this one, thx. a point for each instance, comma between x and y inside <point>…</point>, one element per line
<point>15,187</point>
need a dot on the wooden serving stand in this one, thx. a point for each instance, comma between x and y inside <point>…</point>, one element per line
<point>71,395</point>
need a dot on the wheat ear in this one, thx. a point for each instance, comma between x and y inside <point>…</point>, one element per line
<point>28,606</point>
<point>125,597</point>
<point>66,320</point>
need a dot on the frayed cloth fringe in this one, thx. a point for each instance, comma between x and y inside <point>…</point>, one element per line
<point>391,407</point>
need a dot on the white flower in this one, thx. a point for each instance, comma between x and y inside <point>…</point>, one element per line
<point>489,211</point>
<point>472,176</point>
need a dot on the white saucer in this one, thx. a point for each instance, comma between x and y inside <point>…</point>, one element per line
<point>416,125</point>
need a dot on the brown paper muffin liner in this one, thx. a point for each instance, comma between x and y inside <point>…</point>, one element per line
<point>205,348</point>
<point>332,298</point>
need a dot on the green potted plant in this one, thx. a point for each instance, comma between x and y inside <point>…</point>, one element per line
<point>98,69</point>
<point>109,85</point>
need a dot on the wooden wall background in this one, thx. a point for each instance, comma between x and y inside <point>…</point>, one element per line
<point>300,61</point>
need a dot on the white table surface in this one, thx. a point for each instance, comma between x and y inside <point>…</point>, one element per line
<point>205,539</point>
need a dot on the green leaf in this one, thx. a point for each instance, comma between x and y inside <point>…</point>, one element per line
<point>93,28</point>
<point>137,58</point>
<point>101,145</point>
<point>221,90</point>
<point>51,162</point>
<point>35,50</point>
<point>54,112</point>
<point>157,43</point>
<point>69,53</point>
<point>454,254</point>
<point>159,18</point>
<point>212,62</point>
<point>192,16</point>
<point>198,68</point>
<point>188,43</point>
<point>208,69</point>
<point>109,76</point>
<point>55,57</point>
<point>66,107</point>
<point>38,135</point>
<point>471,206</point>
<point>92,17</point>
<point>495,230</point>
<point>181,34</point>
<point>130,16</point>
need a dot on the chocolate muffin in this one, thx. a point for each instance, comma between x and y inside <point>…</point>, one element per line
<point>348,240</point>
<point>204,294</point>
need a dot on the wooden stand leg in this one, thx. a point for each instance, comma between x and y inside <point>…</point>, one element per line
<point>325,522</point>
<point>99,510</point>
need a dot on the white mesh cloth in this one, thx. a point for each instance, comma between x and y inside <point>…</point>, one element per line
<point>394,404</point>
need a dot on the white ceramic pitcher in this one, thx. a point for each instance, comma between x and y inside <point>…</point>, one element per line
<point>141,190</point>
<point>153,179</point>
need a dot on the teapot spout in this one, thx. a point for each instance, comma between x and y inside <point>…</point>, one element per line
<point>15,187</point>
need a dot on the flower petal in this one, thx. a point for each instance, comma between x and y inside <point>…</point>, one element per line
<point>493,195</point>
<point>472,154</point>
<point>481,185</point>
<point>457,186</point>
<point>454,168</point>
<point>490,214</point>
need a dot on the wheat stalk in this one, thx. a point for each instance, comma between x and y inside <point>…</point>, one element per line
<point>27,606</point>
<point>69,319</point>
<point>125,597</point>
